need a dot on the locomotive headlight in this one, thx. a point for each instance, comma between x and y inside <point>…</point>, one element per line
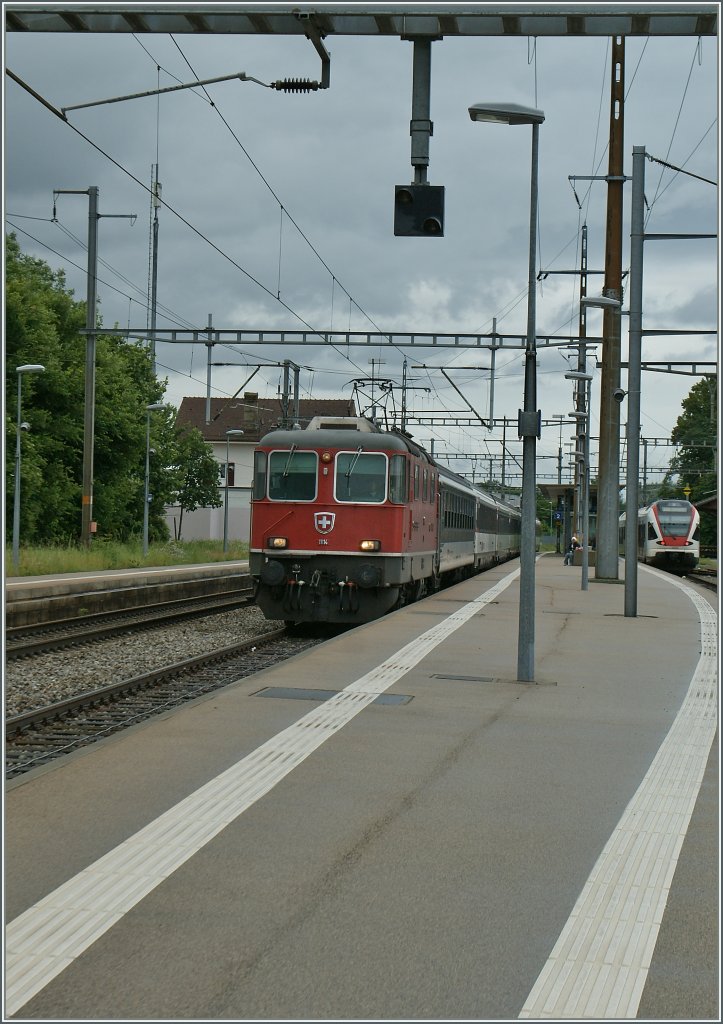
<point>276,542</point>
<point>370,545</point>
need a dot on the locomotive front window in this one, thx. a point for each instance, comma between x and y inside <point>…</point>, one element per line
<point>361,476</point>
<point>292,475</point>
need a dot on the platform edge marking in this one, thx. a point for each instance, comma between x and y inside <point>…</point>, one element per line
<point>231,793</point>
<point>599,964</point>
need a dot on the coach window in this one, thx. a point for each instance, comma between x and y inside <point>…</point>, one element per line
<point>416,481</point>
<point>292,475</point>
<point>398,479</point>
<point>259,475</point>
<point>361,477</point>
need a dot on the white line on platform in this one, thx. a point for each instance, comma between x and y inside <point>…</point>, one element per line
<point>599,966</point>
<point>50,935</point>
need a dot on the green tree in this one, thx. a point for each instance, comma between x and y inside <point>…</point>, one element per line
<point>197,474</point>
<point>43,321</point>
<point>696,431</point>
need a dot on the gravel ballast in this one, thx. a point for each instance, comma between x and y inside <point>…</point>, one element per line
<point>43,679</point>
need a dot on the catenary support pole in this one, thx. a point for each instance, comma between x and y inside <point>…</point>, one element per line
<point>637,228</point>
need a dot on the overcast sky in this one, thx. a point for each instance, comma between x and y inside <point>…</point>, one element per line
<point>332,158</point>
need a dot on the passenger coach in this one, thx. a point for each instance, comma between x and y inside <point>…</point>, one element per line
<point>349,521</point>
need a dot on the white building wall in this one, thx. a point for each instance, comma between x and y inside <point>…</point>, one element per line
<point>207,523</point>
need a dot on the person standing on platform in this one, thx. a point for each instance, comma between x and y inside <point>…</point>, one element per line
<point>570,553</point>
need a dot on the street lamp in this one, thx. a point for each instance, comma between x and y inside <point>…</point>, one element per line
<point>20,370</point>
<point>155,407</point>
<point>529,417</point>
<point>584,457</point>
<point>229,433</point>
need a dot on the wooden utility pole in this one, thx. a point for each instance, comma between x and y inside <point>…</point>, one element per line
<point>608,503</point>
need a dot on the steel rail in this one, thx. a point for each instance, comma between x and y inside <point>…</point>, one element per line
<point>125,619</point>
<point>19,724</point>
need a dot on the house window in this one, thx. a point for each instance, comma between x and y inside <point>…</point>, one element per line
<point>227,468</point>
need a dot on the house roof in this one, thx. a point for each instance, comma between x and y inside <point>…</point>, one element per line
<point>253,414</point>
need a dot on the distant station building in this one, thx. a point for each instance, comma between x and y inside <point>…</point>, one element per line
<point>256,416</point>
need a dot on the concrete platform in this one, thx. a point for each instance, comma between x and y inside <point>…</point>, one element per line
<point>489,849</point>
<point>39,599</point>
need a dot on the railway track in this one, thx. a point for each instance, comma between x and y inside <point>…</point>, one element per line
<point>39,736</point>
<point>705,577</point>
<point>42,638</point>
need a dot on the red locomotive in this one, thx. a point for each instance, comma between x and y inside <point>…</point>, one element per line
<point>349,521</point>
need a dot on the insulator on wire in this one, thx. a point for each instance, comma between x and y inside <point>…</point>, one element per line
<point>296,85</point>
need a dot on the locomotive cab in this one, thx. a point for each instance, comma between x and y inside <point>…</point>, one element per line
<point>343,521</point>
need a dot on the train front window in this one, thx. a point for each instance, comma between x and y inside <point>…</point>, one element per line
<point>674,522</point>
<point>361,477</point>
<point>292,475</point>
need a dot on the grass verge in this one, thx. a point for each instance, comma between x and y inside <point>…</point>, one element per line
<point>51,560</point>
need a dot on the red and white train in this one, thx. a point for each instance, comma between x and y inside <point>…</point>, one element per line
<point>668,534</point>
<point>349,521</point>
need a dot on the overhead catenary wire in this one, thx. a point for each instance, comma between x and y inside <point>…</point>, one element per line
<point>285,209</point>
<point>278,289</point>
<point>176,213</point>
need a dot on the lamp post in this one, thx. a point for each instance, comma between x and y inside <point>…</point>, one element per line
<point>584,457</point>
<point>229,433</point>
<point>529,416</point>
<point>20,370</point>
<point>155,407</point>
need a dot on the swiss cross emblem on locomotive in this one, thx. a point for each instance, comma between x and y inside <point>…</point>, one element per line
<point>324,521</point>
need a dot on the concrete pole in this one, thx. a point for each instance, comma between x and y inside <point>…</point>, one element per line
<point>606,563</point>
<point>637,229</point>
<point>529,420</point>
